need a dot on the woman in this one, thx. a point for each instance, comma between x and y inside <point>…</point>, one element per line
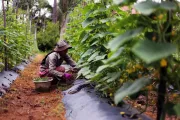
<point>51,64</point>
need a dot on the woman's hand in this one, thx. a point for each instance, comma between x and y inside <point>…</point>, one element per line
<point>74,69</point>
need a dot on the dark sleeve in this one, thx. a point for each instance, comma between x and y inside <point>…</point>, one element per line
<point>69,60</point>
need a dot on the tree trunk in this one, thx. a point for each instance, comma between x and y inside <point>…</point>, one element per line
<point>55,11</point>
<point>5,48</point>
<point>17,5</point>
<point>35,32</point>
<point>65,18</point>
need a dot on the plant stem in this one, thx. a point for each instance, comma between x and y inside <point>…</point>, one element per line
<point>163,76</point>
<point>161,94</point>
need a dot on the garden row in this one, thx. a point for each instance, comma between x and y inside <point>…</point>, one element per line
<point>128,48</point>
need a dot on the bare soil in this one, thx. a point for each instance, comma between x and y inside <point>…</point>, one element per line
<point>22,102</point>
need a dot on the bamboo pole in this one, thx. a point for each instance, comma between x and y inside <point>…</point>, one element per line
<point>5,48</point>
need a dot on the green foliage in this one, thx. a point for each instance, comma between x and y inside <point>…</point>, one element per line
<point>130,88</point>
<point>41,79</point>
<point>19,42</point>
<point>123,52</point>
<point>48,37</point>
<point>73,32</point>
<point>173,109</point>
<point>150,51</point>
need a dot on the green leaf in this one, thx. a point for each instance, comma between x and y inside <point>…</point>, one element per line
<point>146,7</point>
<point>1,64</point>
<point>123,1</point>
<point>100,57</point>
<point>83,33</point>
<point>101,35</point>
<point>89,76</point>
<point>2,32</point>
<point>130,88</point>
<point>150,51</point>
<point>118,41</point>
<point>167,5</point>
<point>85,38</point>
<point>172,109</point>
<point>113,76</point>
<point>93,56</point>
<point>87,22</point>
<point>107,20</point>
<point>94,43</point>
<point>115,55</point>
<point>83,70</point>
<point>100,10</point>
<point>101,68</point>
<point>87,53</point>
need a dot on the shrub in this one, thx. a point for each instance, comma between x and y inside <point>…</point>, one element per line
<point>48,38</point>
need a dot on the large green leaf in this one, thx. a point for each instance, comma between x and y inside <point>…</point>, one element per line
<point>107,20</point>
<point>146,7</point>
<point>101,35</point>
<point>113,76</point>
<point>83,70</point>
<point>88,21</point>
<point>123,1</point>
<point>85,38</point>
<point>167,5</point>
<point>87,53</point>
<point>93,56</point>
<point>1,64</point>
<point>130,89</point>
<point>115,55</point>
<point>89,76</point>
<point>102,68</point>
<point>118,41</point>
<point>172,109</point>
<point>100,57</point>
<point>150,51</point>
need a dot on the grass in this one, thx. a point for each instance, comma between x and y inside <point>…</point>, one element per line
<point>41,79</point>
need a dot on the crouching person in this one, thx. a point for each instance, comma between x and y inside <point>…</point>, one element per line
<point>51,64</point>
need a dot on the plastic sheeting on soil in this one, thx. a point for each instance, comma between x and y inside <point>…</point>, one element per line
<point>87,105</point>
<point>7,77</point>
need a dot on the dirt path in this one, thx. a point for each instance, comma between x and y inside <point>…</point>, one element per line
<point>23,103</point>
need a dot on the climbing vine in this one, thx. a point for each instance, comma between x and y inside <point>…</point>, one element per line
<point>128,53</point>
<point>19,43</point>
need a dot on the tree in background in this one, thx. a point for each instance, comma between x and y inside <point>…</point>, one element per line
<point>65,6</point>
<point>48,38</point>
<point>55,11</point>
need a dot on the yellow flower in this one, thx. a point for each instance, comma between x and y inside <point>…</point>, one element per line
<point>113,105</point>
<point>163,63</point>
<point>110,94</point>
<point>174,95</point>
<point>121,80</point>
<point>122,113</point>
<point>160,17</point>
<point>154,38</point>
<point>138,66</point>
<point>150,87</point>
<point>173,33</point>
<point>129,71</point>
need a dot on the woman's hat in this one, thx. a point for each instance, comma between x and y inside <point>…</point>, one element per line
<point>62,45</point>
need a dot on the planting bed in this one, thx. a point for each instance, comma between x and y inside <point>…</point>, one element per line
<point>22,102</point>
